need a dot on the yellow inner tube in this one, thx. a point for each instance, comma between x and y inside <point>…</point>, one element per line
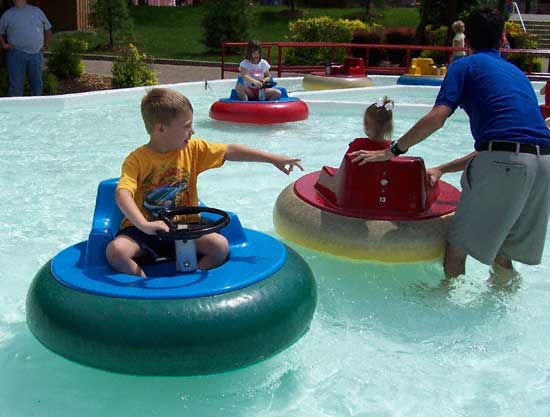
<point>317,82</point>
<point>373,240</point>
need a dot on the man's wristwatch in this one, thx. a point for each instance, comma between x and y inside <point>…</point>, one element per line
<point>394,149</point>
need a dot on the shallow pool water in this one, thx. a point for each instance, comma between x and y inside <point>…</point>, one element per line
<point>384,340</point>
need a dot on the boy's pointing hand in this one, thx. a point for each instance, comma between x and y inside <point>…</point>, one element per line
<point>286,164</point>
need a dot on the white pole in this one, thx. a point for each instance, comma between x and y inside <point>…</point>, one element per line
<point>515,6</point>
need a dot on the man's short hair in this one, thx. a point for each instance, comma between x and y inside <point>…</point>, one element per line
<point>484,27</point>
<point>163,105</point>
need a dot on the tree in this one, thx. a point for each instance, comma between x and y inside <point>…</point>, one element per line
<point>112,16</point>
<point>368,4</point>
<point>444,13</point>
<point>292,5</point>
<point>226,21</point>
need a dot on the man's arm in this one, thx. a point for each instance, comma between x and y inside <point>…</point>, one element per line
<point>244,153</point>
<point>47,39</point>
<point>453,166</point>
<point>426,126</point>
<point>4,44</point>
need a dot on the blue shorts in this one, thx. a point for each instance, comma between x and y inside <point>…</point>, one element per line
<point>154,247</point>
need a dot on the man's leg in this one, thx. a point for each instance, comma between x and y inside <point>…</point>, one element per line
<point>455,262</point>
<point>15,61</point>
<point>503,262</point>
<point>503,275</point>
<point>34,73</point>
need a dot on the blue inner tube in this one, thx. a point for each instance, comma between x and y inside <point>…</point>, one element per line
<point>256,304</point>
<point>256,257</point>
<point>234,98</point>
<point>428,80</point>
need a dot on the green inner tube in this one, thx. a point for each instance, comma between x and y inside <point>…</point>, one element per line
<point>174,336</point>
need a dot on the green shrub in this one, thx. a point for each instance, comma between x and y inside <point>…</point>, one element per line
<point>131,69</point>
<point>50,83</point>
<point>522,40</point>
<point>436,37</point>
<point>398,36</point>
<point>320,29</point>
<point>3,81</point>
<point>373,34</point>
<point>48,79</point>
<point>365,37</point>
<point>65,60</point>
<point>226,21</point>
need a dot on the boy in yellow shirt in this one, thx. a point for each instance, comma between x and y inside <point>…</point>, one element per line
<point>172,159</point>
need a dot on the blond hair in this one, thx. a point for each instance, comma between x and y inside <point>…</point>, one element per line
<point>458,26</point>
<point>163,105</point>
<point>381,114</point>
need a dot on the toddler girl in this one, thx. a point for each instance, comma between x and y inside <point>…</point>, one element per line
<point>458,40</point>
<point>378,121</point>
<point>378,125</point>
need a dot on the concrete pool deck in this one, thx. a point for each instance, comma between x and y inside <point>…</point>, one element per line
<point>167,74</point>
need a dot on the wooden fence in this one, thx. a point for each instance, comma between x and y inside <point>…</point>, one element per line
<point>66,14</point>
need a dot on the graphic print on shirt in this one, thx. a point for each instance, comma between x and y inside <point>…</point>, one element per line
<point>166,188</point>
<point>257,74</point>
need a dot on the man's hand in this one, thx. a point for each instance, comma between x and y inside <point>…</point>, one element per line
<point>362,157</point>
<point>7,46</point>
<point>434,174</point>
<point>44,48</point>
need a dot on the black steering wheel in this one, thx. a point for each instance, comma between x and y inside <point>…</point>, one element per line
<point>191,230</point>
<point>269,84</point>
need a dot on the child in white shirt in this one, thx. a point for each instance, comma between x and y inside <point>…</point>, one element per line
<point>254,73</point>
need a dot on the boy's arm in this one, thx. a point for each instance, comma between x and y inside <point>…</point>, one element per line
<point>453,166</point>
<point>131,211</point>
<point>244,153</point>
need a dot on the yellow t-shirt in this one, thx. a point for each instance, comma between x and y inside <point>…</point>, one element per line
<point>168,179</point>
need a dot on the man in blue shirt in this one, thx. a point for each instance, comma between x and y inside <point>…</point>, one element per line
<point>25,33</point>
<point>503,210</point>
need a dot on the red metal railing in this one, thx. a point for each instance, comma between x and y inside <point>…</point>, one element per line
<point>396,69</point>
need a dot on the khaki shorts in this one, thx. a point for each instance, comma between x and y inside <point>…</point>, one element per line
<point>504,207</point>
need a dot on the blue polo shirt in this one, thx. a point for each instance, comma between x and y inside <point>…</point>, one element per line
<point>498,98</point>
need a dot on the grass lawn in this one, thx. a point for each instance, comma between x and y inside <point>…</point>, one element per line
<point>175,32</point>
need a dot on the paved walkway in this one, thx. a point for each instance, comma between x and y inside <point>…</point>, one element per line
<point>167,74</point>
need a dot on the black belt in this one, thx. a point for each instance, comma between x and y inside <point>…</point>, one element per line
<point>514,147</point>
